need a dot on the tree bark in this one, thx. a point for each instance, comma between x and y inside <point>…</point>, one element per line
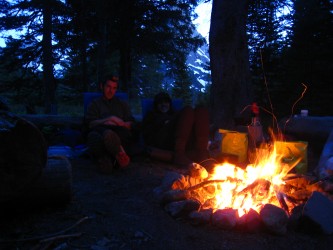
<point>101,52</point>
<point>231,83</point>
<point>49,81</point>
<point>126,32</point>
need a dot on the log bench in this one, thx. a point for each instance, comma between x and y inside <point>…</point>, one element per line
<point>325,164</point>
<point>62,121</point>
<point>314,129</point>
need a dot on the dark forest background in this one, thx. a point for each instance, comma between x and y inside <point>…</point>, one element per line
<point>64,48</point>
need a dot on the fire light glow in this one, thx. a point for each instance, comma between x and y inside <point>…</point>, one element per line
<point>243,189</point>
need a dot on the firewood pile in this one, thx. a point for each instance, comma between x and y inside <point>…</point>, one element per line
<point>303,202</point>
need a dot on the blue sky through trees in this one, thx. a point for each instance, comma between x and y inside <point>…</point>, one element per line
<point>202,23</point>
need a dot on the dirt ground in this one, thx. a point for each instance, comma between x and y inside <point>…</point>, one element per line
<point>119,211</point>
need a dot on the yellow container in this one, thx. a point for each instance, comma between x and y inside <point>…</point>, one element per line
<point>234,143</point>
<point>293,153</point>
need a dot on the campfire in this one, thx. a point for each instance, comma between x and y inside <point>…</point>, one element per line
<point>230,186</point>
<point>264,194</point>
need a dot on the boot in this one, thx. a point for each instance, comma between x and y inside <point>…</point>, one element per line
<point>113,145</point>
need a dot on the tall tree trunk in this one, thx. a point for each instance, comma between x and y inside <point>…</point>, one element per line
<point>101,51</point>
<point>48,77</point>
<point>83,48</point>
<point>126,31</point>
<point>102,13</point>
<point>231,87</point>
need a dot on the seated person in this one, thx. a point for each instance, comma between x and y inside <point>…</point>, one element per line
<point>184,134</point>
<point>110,124</point>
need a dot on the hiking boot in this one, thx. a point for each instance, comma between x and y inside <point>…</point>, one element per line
<point>122,159</point>
<point>113,146</point>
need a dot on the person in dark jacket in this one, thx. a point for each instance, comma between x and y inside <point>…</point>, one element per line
<point>110,123</point>
<point>184,133</point>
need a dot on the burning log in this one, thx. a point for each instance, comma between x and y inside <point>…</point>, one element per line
<point>299,196</point>
<point>281,198</point>
<point>204,184</point>
<point>258,189</point>
<point>298,182</point>
<point>224,194</point>
<point>209,203</point>
<point>197,171</point>
<point>168,183</point>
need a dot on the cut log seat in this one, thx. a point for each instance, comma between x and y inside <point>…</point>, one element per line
<point>54,187</point>
<point>28,176</point>
<point>313,129</point>
<point>23,155</point>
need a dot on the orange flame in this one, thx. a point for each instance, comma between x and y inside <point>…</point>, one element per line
<point>243,189</point>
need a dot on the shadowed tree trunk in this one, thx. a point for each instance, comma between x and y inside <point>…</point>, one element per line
<point>48,78</point>
<point>231,87</point>
<point>83,45</point>
<point>126,31</point>
<point>102,43</point>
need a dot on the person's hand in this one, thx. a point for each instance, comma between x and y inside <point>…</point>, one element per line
<point>110,123</point>
<point>128,125</point>
<point>114,120</point>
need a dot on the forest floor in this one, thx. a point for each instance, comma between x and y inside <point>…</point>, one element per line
<point>119,211</point>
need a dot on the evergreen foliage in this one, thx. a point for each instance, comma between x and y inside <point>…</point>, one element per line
<point>92,38</point>
<point>290,45</point>
<point>148,42</point>
<point>309,58</point>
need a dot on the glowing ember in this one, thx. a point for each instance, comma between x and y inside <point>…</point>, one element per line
<point>260,183</point>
